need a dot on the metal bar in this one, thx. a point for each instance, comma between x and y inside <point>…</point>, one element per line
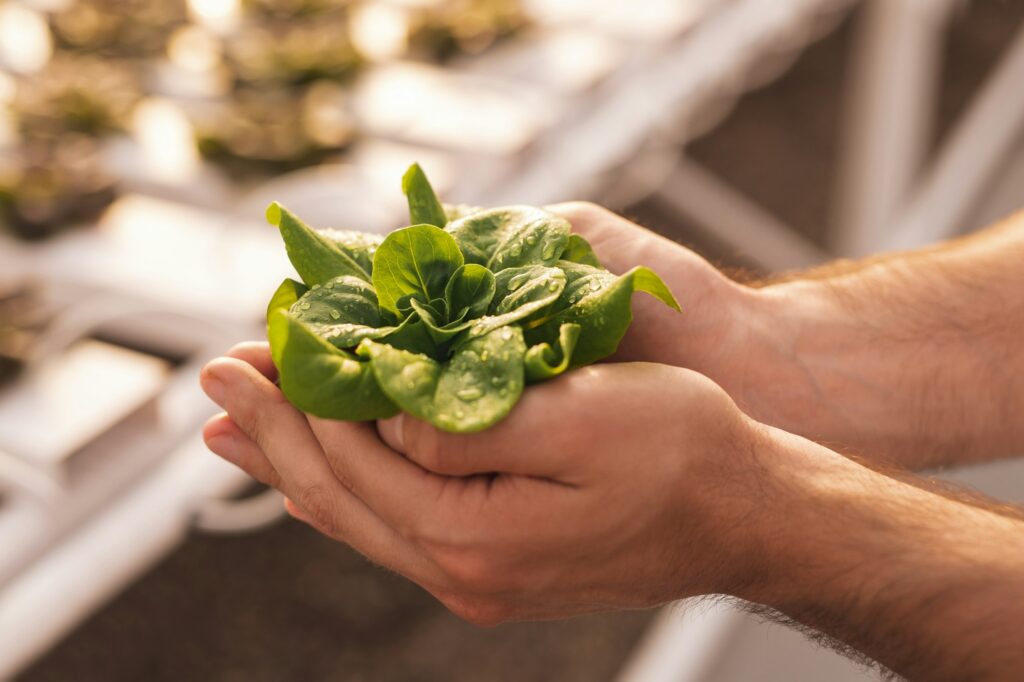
<point>736,221</point>
<point>888,117</point>
<point>661,85</point>
<point>977,146</point>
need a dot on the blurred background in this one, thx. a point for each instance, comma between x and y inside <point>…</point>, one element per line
<point>140,142</point>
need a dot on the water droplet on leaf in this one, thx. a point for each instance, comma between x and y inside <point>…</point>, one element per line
<point>416,373</point>
<point>469,394</point>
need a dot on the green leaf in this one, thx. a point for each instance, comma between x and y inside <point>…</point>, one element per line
<point>433,319</point>
<point>472,287</point>
<point>424,206</point>
<point>285,296</point>
<point>414,261</point>
<point>578,250</point>
<point>343,312</point>
<point>647,281</point>
<point>456,211</point>
<point>315,257</point>
<point>519,294</point>
<point>600,303</point>
<point>510,237</point>
<point>544,362</point>
<point>474,390</point>
<point>359,246</point>
<point>447,324</point>
<point>323,380</point>
<point>414,336</point>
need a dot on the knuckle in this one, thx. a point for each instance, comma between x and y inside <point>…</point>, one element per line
<point>586,210</point>
<point>340,468</point>
<point>274,399</point>
<point>251,424</point>
<point>319,506</point>
<point>471,569</point>
<point>435,450</point>
<point>423,444</point>
<point>253,416</point>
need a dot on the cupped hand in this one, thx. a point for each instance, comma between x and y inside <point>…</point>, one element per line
<point>710,327</point>
<point>615,486</point>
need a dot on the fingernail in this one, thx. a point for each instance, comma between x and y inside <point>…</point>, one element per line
<point>224,446</point>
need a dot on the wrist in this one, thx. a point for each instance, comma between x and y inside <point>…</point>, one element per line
<point>881,564</point>
<point>754,344</point>
<point>765,492</point>
<point>813,361</point>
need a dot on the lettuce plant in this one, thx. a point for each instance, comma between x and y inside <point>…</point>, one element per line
<point>447,319</point>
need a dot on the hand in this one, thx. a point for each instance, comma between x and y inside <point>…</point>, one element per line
<point>617,485</point>
<point>711,327</point>
<point>905,358</point>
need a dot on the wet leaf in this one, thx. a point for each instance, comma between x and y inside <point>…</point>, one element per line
<point>578,250</point>
<point>476,389</point>
<point>344,311</point>
<point>322,379</point>
<point>544,361</point>
<point>424,206</point>
<point>510,237</point>
<point>601,304</point>
<point>447,324</point>
<point>471,288</point>
<point>414,261</point>
<point>315,257</point>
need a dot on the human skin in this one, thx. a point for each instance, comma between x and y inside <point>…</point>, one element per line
<point>913,359</point>
<point>642,484</point>
<point>646,482</point>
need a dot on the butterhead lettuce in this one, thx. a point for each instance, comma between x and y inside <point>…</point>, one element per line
<point>447,319</point>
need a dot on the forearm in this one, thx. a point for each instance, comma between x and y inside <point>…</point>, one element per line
<point>917,358</point>
<point>930,587</point>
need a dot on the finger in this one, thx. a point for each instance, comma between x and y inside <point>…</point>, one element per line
<point>296,511</point>
<point>537,439</point>
<point>225,438</point>
<point>259,409</point>
<point>395,488</point>
<point>257,354</point>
